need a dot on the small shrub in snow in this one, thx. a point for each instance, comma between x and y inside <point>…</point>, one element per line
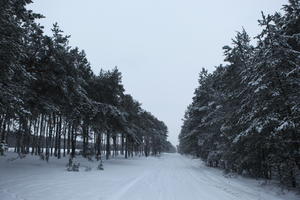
<point>73,166</point>
<point>88,168</point>
<point>98,157</point>
<point>89,158</point>
<point>12,159</point>
<point>22,155</point>
<point>264,182</point>
<point>70,163</point>
<point>230,175</point>
<point>100,166</point>
<point>42,157</point>
<point>3,148</point>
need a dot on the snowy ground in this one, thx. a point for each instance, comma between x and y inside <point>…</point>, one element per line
<point>169,177</point>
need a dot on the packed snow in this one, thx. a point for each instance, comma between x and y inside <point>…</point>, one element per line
<point>168,177</point>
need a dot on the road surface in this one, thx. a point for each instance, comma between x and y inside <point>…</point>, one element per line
<point>169,177</point>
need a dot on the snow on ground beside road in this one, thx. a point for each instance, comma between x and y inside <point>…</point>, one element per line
<point>169,177</point>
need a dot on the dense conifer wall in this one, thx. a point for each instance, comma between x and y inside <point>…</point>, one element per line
<point>52,104</point>
<point>245,116</point>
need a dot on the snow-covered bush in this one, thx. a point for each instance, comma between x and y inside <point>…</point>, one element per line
<point>88,154</point>
<point>3,148</point>
<point>213,159</point>
<point>73,166</point>
<point>100,166</point>
<point>42,156</point>
<point>88,168</point>
<point>21,155</point>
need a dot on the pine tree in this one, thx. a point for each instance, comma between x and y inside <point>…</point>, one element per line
<point>245,115</point>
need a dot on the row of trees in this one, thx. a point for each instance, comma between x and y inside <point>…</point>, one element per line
<point>245,116</point>
<point>51,103</point>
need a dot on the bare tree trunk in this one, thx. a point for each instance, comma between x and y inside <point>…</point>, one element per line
<point>1,125</point>
<point>59,138</point>
<point>40,135</point>
<point>64,133</point>
<point>34,138</point>
<point>56,122</point>
<point>74,135</point>
<point>70,130</point>
<point>122,143</point>
<point>52,135</point>
<point>84,137</point>
<point>48,130</point>
<point>3,128</point>
<point>115,145</point>
<point>98,146</point>
<point>126,147</point>
<point>107,145</point>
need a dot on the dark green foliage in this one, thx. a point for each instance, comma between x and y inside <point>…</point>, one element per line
<point>245,115</point>
<point>51,103</point>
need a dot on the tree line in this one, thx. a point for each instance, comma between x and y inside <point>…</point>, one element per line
<point>245,115</point>
<point>52,104</point>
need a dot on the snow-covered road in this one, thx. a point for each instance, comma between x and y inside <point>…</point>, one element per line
<point>169,177</point>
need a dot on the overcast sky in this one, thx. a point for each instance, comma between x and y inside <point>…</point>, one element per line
<point>159,46</point>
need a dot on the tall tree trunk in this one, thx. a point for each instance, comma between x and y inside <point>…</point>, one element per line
<point>107,145</point>
<point>98,146</point>
<point>84,137</point>
<point>48,133</point>
<point>52,135</point>
<point>74,135</point>
<point>126,147</point>
<point>122,144</point>
<point>4,132</point>
<point>40,135</point>
<point>59,138</point>
<point>70,130</point>
<point>115,145</point>
<point>56,122</point>
<point>65,133</point>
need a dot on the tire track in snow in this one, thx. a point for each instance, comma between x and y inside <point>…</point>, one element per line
<point>121,192</point>
<point>221,183</point>
<point>7,195</point>
<point>203,178</point>
<point>170,177</point>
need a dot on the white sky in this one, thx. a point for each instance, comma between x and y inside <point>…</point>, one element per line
<point>159,46</point>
